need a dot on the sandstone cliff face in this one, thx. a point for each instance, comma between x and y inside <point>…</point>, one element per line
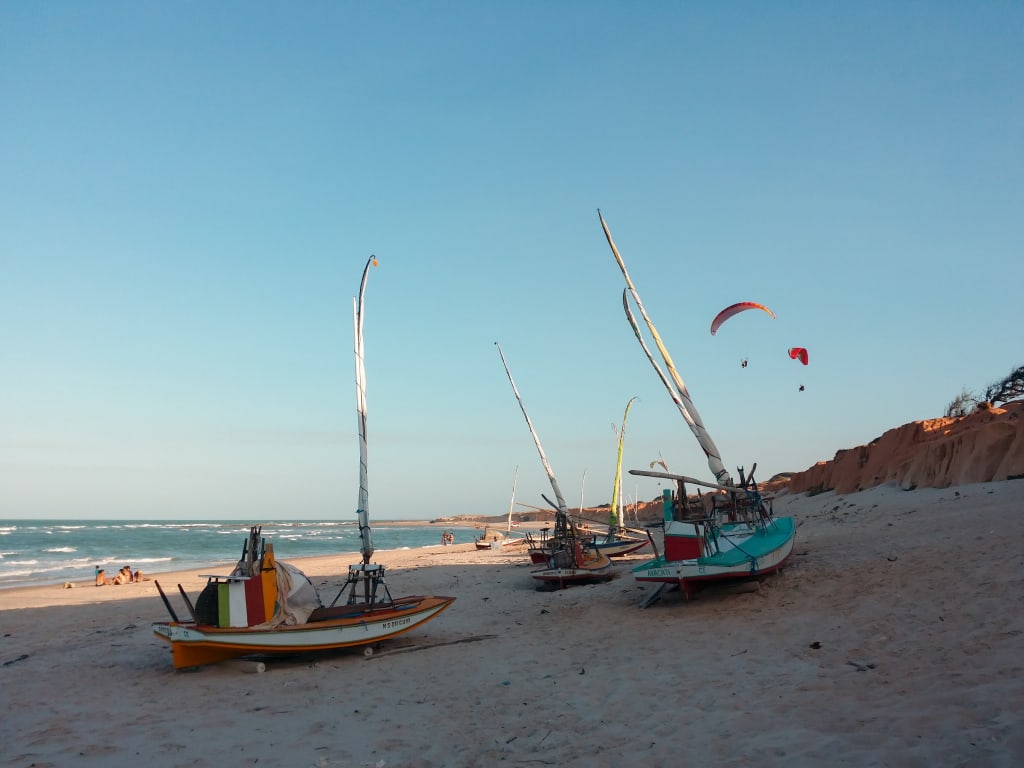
<point>985,446</point>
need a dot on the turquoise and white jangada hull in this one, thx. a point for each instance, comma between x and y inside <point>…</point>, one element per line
<point>741,552</point>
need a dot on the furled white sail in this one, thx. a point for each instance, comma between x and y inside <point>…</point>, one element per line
<point>614,523</point>
<point>363,505</point>
<point>677,388</point>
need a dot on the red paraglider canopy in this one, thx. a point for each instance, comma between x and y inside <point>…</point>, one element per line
<point>798,353</point>
<point>735,309</point>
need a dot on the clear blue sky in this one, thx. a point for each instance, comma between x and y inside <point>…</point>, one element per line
<point>190,190</point>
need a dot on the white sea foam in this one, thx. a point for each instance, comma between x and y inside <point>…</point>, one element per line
<point>69,550</point>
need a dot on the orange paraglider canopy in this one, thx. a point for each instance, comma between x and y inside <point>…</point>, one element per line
<point>735,309</point>
<point>798,353</point>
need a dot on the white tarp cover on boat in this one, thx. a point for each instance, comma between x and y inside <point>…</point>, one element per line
<point>296,597</point>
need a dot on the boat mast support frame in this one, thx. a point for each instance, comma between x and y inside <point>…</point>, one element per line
<point>364,582</point>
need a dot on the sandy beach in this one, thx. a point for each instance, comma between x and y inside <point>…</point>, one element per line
<point>892,638</point>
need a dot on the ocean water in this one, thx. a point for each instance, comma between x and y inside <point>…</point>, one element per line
<point>38,552</point>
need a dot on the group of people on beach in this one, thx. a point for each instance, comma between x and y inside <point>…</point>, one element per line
<point>124,576</point>
<point>447,538</point>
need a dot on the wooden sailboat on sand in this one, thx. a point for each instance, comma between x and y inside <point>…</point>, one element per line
<point>269,607</point>
<point>729,533</point>
<point>569,557</point>
<point>618,540</point>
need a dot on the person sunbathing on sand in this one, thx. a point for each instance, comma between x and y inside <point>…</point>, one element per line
<point>124,576</point>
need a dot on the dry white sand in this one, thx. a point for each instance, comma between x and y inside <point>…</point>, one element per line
<point>893,638</point>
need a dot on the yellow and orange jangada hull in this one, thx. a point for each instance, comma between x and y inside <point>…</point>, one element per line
<point>194,645</point>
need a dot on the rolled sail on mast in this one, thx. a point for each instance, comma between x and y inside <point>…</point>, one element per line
<point>363,504</point>
<point>512,501</point>
<point>613,518</point>
<point>680,395</point>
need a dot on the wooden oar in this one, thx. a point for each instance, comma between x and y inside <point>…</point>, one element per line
<point>685,479</point>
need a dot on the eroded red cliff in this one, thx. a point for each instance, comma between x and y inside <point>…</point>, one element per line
<point>985,446</point>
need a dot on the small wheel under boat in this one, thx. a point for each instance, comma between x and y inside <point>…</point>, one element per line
<point>368,651</point>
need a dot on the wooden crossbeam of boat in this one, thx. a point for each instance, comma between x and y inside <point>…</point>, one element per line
<point>686,479</point>
<point>588,519</point>
<point>531,506</point>
<point>553,505</point>
<point>605,524</point>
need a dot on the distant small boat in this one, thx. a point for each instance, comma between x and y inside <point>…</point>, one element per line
<point>495,539</point>
<point>619,545</point>
<point>491,538</point>
<point>269,607</point>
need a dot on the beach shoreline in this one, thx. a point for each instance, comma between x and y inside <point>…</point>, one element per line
<point>892,637</point>
<point>59,552</point>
